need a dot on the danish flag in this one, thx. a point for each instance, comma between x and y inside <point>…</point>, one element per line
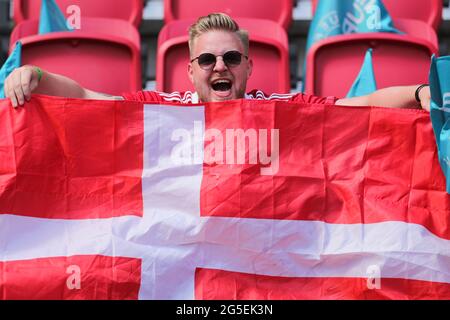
<point>92,205</point>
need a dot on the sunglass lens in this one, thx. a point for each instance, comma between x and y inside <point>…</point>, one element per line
<point>206,59</point>
<point>232,58</point>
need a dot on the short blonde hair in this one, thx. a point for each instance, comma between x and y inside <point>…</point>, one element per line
<point>217,21</point>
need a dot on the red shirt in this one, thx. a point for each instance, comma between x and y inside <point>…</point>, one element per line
<point>192,97</point>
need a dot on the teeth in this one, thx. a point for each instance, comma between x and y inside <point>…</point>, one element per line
<point>221,85</point>
<point>221,81</point>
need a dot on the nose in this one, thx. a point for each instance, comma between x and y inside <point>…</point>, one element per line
<point>220,66</point>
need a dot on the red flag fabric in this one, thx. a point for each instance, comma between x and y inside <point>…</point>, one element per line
<point>235,200</point>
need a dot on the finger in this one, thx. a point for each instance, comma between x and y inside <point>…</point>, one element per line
<point>9,90</point>
<point>17,87</point>
<point>7,85</point>
<point>12,96</point>
<point>8,93</point>
<point>26,83</point>
<point>5,88</point>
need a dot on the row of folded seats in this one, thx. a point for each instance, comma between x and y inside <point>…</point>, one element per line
<point>104,55</point>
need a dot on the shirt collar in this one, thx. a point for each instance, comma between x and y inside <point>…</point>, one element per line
<point>196,100</point>
<point>195,97</point>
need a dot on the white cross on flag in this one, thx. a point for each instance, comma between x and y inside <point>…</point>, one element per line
<point>235,200</point>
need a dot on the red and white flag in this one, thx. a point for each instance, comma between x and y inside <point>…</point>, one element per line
<point>235,200</point>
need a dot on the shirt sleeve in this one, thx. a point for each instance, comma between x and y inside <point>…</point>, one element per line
<point>307,98</point>
<point>143,96</point>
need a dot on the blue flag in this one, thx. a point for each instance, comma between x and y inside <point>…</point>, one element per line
<point>13,61</point>
<point>440,110</point>
<point>52,19</point>
<point>365,81</point>
<point>334,17</point>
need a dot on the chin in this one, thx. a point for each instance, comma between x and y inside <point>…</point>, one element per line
<point>215,98</point>
<point>220,99</point>
<point>212,97</point>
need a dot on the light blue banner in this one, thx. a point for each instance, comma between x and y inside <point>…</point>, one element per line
<point>13,61</point>
<point>440,110</point>
<point>365,82</point>
<point>334,17</point>
<point>52,19</point>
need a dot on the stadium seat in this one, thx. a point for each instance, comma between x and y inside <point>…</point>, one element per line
<point>106,26</point>
<point>428,11</point>
<point>129,10</point>
<point>268,49</point>
<point>106,61</point>
<point>279,11</point>
<point>398,59</point>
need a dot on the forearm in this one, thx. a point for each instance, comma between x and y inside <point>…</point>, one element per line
<point>57,85</point>
<point>394,97</point>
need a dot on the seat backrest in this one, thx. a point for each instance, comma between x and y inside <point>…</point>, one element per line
<point>129,10</point>
<point>428,11</point>
<point>98,61</point>
<point>279,11</point>
<point>268,49</point>
<point>114,27</point>
<point>333,63</point>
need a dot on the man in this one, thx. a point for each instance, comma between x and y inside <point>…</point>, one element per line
<point>219,69</point>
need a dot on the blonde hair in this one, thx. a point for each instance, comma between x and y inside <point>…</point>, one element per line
<point>217,21</point>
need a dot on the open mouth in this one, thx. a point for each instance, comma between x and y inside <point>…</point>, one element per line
<point>221,85</point>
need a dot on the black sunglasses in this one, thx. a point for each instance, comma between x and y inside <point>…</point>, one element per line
<point>230,58</point>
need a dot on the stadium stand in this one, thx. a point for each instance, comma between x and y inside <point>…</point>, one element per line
<point>129,10</point>
<point>279,11</point>
<point>398,59</point>
<point>268,48</point>
<point>106,48</point>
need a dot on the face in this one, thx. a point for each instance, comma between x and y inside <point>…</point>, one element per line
<point>221,82</point>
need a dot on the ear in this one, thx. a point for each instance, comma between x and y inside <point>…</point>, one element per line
<point>190,71</point>
<point>249,67</point>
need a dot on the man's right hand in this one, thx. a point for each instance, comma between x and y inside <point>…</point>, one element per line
<point>20,84</point>
<point>24,80</point>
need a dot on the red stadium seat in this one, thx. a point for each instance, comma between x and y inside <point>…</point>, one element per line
<point>103,60</point>
<point>398,59</point>
<point>279,11</point>
<point>428,11</point>
<point>114,27</point>
<point>129,10</point>
<point>268,49</point>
